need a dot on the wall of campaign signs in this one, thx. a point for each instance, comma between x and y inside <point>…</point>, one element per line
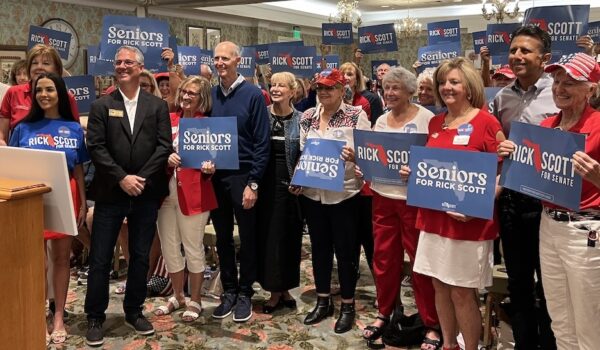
<point>88,24</point>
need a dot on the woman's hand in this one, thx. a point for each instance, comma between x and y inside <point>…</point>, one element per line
<point>208,167</point>
<point>358,173</point>
<point>348,154</point>
<point>404,172</point>
<point>587,167</point>
<point>295,190</point>
<point>82,214</point>
<point>174,160</point>
<point>506,148</point>
<point>459,216</point>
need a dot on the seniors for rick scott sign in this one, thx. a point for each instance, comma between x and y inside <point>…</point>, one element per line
<point>214,138</point>
<point>320,165</point>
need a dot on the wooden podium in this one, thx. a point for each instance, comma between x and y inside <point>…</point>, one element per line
<point>22,319</point>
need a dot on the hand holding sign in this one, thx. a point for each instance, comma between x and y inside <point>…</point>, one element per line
<point>506,148</point>
<point>587,167</point>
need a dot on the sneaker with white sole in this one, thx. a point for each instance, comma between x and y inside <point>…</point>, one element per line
<point>139,323</point>
<point>243,309</point>
<point>225,309</point>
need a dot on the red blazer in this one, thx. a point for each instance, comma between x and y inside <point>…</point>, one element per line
<point>194,189</point>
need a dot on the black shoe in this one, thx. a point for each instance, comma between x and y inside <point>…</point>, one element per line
<point>346,319</point>
<point>289,303</point>
<point>269,309</point>
<point>94,335</point>
<point>140,323</point>
<point>243,309</point>
<point>322,310</point>
<point>224,309</point>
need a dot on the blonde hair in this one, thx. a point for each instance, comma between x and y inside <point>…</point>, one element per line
<point>155,91</point>
<point>360,80</point>
<point>289,79</point>
<point>203,95</point>
<point>44,50</point>
<point>471,80</point>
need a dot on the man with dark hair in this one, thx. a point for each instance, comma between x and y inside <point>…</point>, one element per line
<point>529,100</point>
<point>237,190</point>
<point>129,140</point>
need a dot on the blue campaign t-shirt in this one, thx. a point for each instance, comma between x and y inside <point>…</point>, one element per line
<point>53,135</point>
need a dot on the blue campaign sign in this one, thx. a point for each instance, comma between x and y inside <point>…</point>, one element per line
<point>377,63</point>
<point>450,180</point>
<point>60,41</point>
<point>380,154</point>
<point>96,66</point>
<point>379,38</point>
<point>336,33</point>
<point>564,24</point>
<point>320,165</point>
<point>443,32</point>
<point>189,58</point>
<point>214,138</point>
<point>332,61</point>
<point>479,40</point>
<point>84,90</point>
<point>490,93</point>
<point>499,60</point>
<point>298,60</point>
<point>431,56</point>
<point>498,37</point>
<point>541,165</point>
<point>262,51</point>
<point>206,57</point>
<point>148,35</point>
<point>247,65</point>
<point>594,31</point>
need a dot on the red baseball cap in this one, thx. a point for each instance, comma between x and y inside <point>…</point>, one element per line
<point>160,76</point>
<point>579,66</point>
<point>331,78</point>
<point>504,70</point>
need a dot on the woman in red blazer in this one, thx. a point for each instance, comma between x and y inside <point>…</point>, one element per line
<point>184,213</point>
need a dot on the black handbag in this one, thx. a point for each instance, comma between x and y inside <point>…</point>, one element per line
<point>404,331</point>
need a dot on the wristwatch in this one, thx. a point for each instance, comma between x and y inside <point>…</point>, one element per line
<point>253,186</point>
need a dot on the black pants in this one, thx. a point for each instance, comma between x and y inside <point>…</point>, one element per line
<point>365,228</point>
<point>229,190</point>
<point>519,232</point>
<point>333,228</point>
<point>141,224</point>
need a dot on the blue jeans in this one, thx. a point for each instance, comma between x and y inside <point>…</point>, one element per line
<point>108,218</point>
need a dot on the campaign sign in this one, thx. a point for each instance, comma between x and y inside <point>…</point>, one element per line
<point>594,30</point>
<point>431,56</point>
<point>564,24</point>
<point>377,63</point>
<point>450,180</point>
<point>262,50</point>
<point>490,93</point>
<point>541,165</point>
<point>498,37</point>
<point>321,165</point>
<point>148,35</point>
<point>96,66</point>
<point>214,138</point>
<point>298,60</point>
<point>336,33</point>
<point>332,61</point>
<point>189,58</point>
<point>379,38</point>
<point>206,57</point>
<point>479,40</point>
<point>60,41</point>
<point>247,65</point>
<point>499,60</point>
<point>84,90</point>
<point>380,154</point>
<point>443,32</point>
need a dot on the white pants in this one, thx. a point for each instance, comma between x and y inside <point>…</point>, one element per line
<point>571,279</point>
<point>175,229</point>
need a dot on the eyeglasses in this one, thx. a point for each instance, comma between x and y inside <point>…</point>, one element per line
<point>325,87</point>
<point>145,85</point>
<point>190,93</point>
<point>127,63</point>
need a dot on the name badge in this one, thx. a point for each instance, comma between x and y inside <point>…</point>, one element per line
<point>115,113</point>
<point>461,140</point>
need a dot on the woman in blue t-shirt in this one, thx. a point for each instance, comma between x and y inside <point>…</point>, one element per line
<point>51,125</point>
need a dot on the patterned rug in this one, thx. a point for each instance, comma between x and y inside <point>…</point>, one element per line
<point>282,330</point>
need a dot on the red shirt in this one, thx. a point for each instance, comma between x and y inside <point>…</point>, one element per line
<point>360,100</point>
<point>589,125</point>
<point>482,139</point>
<point>195,192</point>
<point>17,103</point>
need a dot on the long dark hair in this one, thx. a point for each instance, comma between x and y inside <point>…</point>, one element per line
<point>64,107</point>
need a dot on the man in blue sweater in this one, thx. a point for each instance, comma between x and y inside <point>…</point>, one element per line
<point>237,190</point>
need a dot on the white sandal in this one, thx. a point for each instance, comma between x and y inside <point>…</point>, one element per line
<point>165,310</point>
<point>189,315</point>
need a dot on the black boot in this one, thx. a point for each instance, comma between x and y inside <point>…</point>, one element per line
<point>346,319</point>
<point>323,309</point>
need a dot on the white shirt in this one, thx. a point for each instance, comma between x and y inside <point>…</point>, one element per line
<point>421,122</point>
<point>131,106</point>
<point>240,79</point>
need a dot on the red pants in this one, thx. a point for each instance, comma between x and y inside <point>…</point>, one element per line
<point>393,232</point>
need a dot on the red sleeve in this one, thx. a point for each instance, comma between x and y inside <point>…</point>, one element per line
<point>74,108</point>
<point>5,110</point>
<point>490,141</point>
<point>366,106</point>
<point>266,96</point>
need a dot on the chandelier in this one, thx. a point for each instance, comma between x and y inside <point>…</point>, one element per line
<point>408,26</point>
<point>499,9</point>
<point>347,12</point>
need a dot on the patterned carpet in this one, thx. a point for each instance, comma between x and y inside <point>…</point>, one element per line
<point>282,330</point>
